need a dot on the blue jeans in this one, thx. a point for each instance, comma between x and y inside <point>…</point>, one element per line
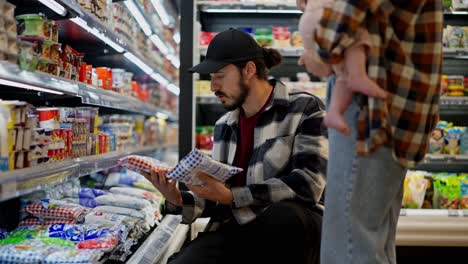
<point>362,200</point>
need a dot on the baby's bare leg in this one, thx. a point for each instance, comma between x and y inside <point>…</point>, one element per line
<point>341,99</point>
<point>357,78</point>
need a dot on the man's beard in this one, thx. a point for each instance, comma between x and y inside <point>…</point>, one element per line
<point>239,101</point>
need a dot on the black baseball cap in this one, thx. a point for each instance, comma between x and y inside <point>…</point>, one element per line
<point>228,47</point>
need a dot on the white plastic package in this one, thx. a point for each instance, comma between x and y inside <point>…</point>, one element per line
<point>135,192</point>
<point>122,201</point>
<point>196,161</point>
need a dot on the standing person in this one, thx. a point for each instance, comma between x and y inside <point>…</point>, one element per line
<point>367,169</point>
<point>270,213</point>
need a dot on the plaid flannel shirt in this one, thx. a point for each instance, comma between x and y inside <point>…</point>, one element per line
<point>405,60</point>
<point>289,159</point>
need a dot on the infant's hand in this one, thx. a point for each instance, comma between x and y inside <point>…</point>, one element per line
<point>314,65</point>
<point>301,4</point>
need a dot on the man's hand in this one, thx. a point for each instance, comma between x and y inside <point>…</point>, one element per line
<point>313,64</point>
<point>167,187</point>
<point>212,190</point>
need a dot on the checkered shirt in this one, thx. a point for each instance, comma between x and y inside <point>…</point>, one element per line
<point>405,60</point>
<point>288,161</point>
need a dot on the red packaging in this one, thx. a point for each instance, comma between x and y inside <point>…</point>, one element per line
<point>68,135</point>
<point>206,38</point>
<point>102,73</point>
<point>109,79</point>
<point>83,75</point>
<point>48,118</point>
<point>135,89</point>
<point>89,74</point>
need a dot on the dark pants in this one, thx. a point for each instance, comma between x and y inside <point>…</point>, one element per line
<point>285,233</point>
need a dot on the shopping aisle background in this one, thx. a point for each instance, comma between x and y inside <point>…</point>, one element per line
<point>434,221</point>
<point>84,84</point>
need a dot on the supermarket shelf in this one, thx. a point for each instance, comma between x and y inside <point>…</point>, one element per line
<point>88,22</point>
<point>462,13</point>
<point>444,163</point>
<point>456,105</point>
<point>43,82</point>
<point>298,51</point>
<point>248,8</point>
<point>452,53</point>
<point>157,242</point>
<point>23,181</point>
<point>425,227</point>
<point>285,52</point>
<point>94,23</point>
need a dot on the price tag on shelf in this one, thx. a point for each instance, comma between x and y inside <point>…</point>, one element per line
<point>452,213</point>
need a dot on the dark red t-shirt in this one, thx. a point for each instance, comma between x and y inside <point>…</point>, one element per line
<point>245,144</point>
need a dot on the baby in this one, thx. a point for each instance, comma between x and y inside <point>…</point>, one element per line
<point>351,73</point>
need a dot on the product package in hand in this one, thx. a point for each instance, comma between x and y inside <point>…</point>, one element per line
<point>143,164</point>
<point>186,170</point>
<point>197,161</point>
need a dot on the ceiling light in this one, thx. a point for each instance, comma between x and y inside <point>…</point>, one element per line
<point>159,44</point>
<point>56,7</point>
<point>143,66</point>
<point>138,16</point>
<point>161,11</point>
<point>173,89</point>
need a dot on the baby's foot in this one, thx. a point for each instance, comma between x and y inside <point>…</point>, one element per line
<point>336,121</point>
<point>364,85</point>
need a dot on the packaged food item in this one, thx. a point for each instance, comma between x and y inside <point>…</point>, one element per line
<point>135,192</point>
<point>31,25</point>
<point>122,201</point>
<point>196,161</point>
<point>206,38</point>
<point>281,37</point>
<point>444,85</point>
<point>19,254</point>
<point>296,40</point>
<point>464,191</point>
<point>36,221</point>
<point>452,140</point>
<point>264,36</point>
<point>140,214</point>
<point>455,85</point>
<point>71,256</point>
<point>118,79</point>
<point>437,141</point>
<point>65,212</point>
<point>464,142</point>
<point>105,244</point>
<point>447,189</point>
<point>142,164</point>
<point>414,190</point>
<point>73,233</point>
<point>107,219</point>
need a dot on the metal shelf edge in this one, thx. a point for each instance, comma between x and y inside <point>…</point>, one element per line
<point>157,242</point>
<point>23,181</point>
<point>432,230</point>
